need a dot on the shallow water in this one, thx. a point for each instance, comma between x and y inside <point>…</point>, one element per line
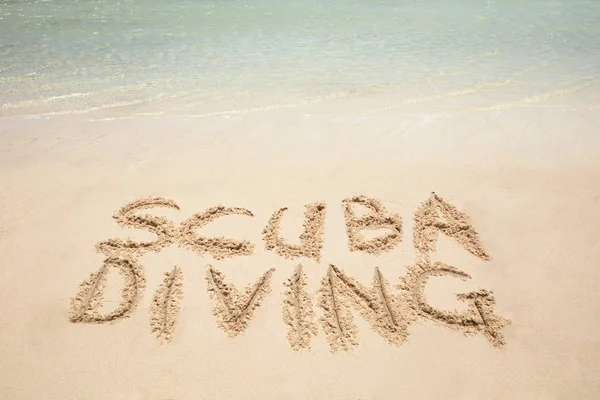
<point>198,56</point>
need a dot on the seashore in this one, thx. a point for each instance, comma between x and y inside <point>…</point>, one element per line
<point>524,177</point>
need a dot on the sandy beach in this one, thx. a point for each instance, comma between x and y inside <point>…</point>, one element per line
<point>301,254</point>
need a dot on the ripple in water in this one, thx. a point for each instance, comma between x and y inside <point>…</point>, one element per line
<point>195,56</point>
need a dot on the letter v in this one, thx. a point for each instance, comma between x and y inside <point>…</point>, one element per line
<point>234,309</point>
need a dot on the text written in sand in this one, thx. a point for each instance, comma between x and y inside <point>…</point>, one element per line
<point>389,309</point>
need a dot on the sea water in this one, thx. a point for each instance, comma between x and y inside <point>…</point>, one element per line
<point>207,56</point>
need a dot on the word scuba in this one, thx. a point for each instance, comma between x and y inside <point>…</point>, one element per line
<point>388,311</point>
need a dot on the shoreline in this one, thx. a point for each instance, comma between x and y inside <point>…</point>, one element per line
<point>512,137</point>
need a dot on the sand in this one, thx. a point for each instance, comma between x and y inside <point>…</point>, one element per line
<point>301,254</point>
<point>298,311</point>
<point>311,239</point>
<point>166,306</point>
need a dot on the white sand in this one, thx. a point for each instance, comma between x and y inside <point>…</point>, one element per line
<point>526,178</point>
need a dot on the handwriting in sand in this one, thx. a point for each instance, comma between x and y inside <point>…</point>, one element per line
<point>388,309</point>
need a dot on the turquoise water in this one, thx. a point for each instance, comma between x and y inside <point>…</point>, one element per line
<point>197,55</point>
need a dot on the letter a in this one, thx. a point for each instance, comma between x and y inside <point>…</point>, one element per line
<point>436,215</point>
